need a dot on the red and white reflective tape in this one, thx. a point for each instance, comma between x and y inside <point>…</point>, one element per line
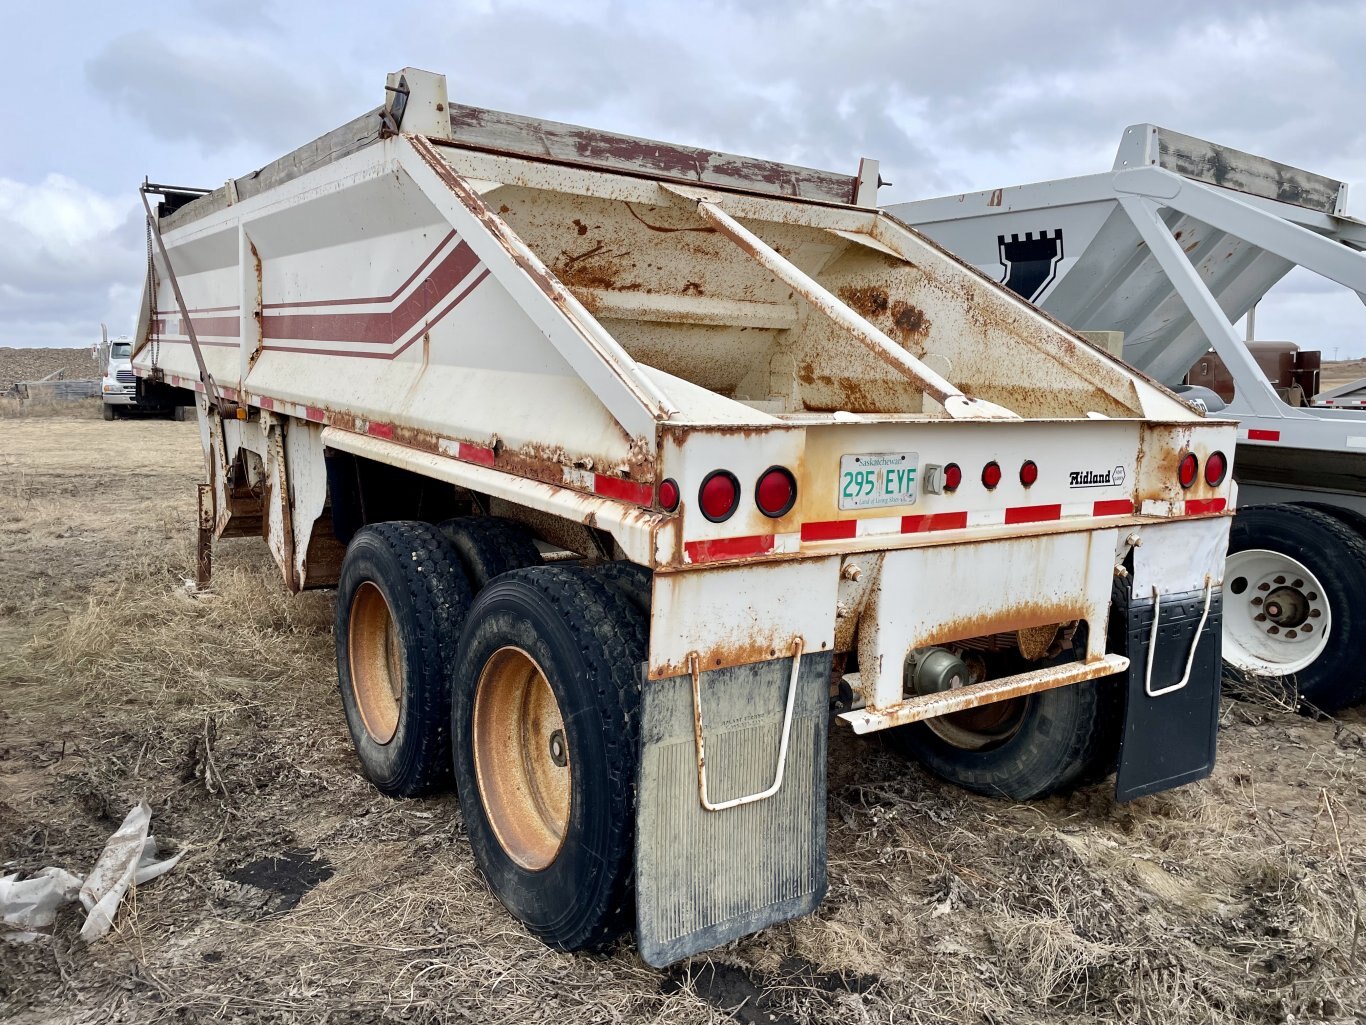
<point>843,530</point>
<point>609,487</point>
<point>1189,507</point>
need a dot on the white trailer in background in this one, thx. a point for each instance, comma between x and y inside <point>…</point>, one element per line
<point>1171,248</point>
<point>625,457</point>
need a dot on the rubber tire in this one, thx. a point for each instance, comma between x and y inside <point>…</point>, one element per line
<point>416,569</point>
<point>1069,736</point>
<point>629,580</point>
<point>1350,517</point>
<point>1336,555</point>
<point>108,411</point>
<point>589,642</point>
<point>489,546</point>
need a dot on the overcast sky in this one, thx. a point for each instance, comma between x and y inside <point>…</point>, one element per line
<point>949,96</point>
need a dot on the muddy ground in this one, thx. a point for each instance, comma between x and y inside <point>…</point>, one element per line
<point>305,896</point>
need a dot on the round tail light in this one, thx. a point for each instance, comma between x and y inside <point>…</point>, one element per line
<point>776,492</point>
<point>1029,473</point>
<point>719,495</point>
<point>1216,469</point>
<point>991,475</point>
<point>953,476</point>
<point>1188,470</point>
<point>668,495</point>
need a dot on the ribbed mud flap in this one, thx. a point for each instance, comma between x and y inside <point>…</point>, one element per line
<point>704,878</point>
<point>1168,740</point>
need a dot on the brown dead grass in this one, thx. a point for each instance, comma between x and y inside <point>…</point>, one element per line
<point>13,408</point>
<point>1235,900</point>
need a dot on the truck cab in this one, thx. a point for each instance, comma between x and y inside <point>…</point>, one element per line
<point>121,390</point>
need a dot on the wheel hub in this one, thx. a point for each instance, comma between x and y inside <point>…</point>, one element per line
<point>376,651</point>
<point>1276,616</point>
<point>521,758</point>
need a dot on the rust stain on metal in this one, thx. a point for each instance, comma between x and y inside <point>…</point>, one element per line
<point>579,226</point>
<point>1024,615</point>
<point>906,323</point>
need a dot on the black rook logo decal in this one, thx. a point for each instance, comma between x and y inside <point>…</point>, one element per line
<point>1030,263</point>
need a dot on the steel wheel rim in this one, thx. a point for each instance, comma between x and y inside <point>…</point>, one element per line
<point>1277,618</point>
<point>977,729</point>
<point>521,758</point>
<point>376,653</point>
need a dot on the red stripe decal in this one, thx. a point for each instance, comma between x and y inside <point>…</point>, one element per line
<point>829,530</point>
<point>1257,434</point>
<point>934,521</point>
<point>314,413</point>
<point>624,490</point>
<point>474,454</point>
<point>1204,506</point>
<point>728,548</point>
<point>1113,507</point>
<point>380,430</point>
<point>1033,513</point>
<point>382,328</point>
<point>372,299</point>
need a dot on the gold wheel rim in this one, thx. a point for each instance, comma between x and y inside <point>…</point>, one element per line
<point>521,758</point>
<point>376,652</point>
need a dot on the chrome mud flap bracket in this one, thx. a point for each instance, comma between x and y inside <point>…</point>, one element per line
<point>1172,703</point>
<point>754,854</point>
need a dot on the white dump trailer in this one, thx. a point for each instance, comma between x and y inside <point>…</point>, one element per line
<point>628,461</point>
<point>1170,248</point>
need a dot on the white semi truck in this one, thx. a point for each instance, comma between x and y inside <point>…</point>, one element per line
<point>627,459</point>
<point>1171,248</point>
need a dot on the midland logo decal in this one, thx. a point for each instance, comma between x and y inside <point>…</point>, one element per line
<point>1030,263</point>
<point>1096,478</point>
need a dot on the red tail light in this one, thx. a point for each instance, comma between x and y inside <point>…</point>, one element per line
<point>991,475</point>
<point>1188,470</point>
<point>776,492</point>
<point>1216,469</point>
<point>719,495</point>
<point>668,495</point>
<point>953,476</point>
<point>1029,472</point>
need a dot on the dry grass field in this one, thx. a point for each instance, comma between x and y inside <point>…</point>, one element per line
<point>306,897</point>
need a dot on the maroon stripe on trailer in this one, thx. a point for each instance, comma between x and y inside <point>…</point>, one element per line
<point>934,521</point>
<point>474,454</point>
<point>1205,506</point>
<point>829,530</point>
<point>1033,513</point>
<point>1113,507</point>
<point>728,548</point>
<point>625,490</point>
<point>1258,434</point>
<point>201,309</point>
<point>380,328</point>
<point>373,299</point>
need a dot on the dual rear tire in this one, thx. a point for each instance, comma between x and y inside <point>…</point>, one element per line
<point>460,658</point>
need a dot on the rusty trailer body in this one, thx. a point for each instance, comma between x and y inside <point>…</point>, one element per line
<point>836,460</point>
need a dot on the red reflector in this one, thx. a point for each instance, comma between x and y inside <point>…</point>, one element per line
<point>1204,506</point>
<point>1033,513</point>
<point>991,475</point>
<point>719,495</point>
<point>934,521</point>
<point>625,490</point>
<point>776,492</point>
<point>668,495</point>
<point>1216,468</point>
<point>728,548</point>
<point>829,530</point>
<point>1259,435</point>
<point>1187,471</point>
<point>1113,507</point>
<point>953,476</point>
<point>1029,472</point>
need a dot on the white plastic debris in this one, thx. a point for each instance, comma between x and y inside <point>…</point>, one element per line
<point>128,859</point>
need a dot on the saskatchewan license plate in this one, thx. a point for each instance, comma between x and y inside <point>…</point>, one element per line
<point>870,480</point>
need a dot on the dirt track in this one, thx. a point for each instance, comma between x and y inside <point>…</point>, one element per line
<point>304,894</point>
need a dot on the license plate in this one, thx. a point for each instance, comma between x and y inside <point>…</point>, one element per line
<point>871,480</point>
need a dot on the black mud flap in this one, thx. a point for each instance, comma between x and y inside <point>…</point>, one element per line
<point>1168,740</point>
<point>704,878</point>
